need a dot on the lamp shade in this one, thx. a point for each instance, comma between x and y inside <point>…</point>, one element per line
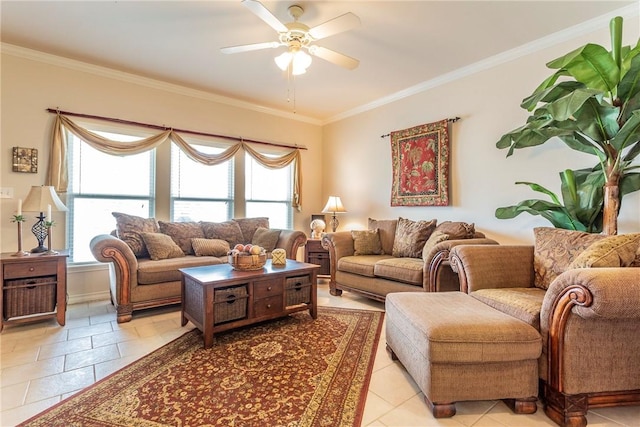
<point>40,198</point>
<point>334,205</point>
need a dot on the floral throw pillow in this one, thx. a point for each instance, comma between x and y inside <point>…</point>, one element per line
<point>366,242</point>
<point>611,251</point>
<point>411,237</point>
<point>227,230</point>
<point>182,233</point>
<point>555,249</point>
<point>129,229</point>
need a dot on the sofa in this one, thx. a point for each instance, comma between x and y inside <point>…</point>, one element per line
<point>397,255</point>
<point>145,255</point>
<point>581,292</point>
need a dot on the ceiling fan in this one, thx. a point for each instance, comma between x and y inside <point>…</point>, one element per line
<point>298,37</point>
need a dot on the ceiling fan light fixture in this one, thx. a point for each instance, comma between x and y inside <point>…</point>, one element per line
<point>297,59</point>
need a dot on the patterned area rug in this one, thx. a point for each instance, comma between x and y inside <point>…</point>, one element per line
<point>289,372</point>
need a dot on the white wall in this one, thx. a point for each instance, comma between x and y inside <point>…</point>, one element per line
<point>481,177</point>
<point>32,82</point>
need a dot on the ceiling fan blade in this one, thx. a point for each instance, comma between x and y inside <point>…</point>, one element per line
<point>249,47</point>
<point>334,26</point>
<point>334,57</point>
<point>263,13</point>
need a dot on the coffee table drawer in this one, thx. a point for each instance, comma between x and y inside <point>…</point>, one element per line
<point>267,288</point>
<point>268,306</point>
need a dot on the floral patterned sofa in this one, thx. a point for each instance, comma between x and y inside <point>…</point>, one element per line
<point>144,254</point>
<point>397,255</point>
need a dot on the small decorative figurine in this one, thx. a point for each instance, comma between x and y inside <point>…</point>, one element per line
<point>317,227</point>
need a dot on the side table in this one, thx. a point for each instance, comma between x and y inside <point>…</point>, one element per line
<point>34,287</point>
<point>314,253</point>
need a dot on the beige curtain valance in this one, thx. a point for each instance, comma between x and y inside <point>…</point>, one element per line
<point>58,175</point>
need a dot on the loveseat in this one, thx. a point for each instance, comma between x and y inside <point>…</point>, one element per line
<point>144,254</point>
<point>397,255</point>
<point>581,292</point>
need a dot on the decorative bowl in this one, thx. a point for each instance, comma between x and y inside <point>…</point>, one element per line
<point>247,262</point>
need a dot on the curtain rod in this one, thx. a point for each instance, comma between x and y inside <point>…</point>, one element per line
<point>453,120</point>
<point>158,127</point>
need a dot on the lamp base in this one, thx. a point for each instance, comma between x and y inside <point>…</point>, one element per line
<point>333,222</point>
<point>39,249</point>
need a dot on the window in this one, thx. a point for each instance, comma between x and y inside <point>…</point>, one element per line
<point>268,192</point>
<point>100,184</point>
<point>200,192</point>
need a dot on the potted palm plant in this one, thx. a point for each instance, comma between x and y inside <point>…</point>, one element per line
<point>591,103</point>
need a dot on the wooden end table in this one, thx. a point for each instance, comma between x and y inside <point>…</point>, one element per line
<point>210,293</point>
<point>34,287</point>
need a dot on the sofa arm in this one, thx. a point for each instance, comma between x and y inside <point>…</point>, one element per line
<point>492,266</point>
<point>437,259</point>
<point>595,293</point>
<point>108,248</point>
<point>291,241</point>
<point>339,244</point>
<point>589,320</point>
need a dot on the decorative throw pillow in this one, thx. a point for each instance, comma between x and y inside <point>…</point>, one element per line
<point>611,251</point>
<point>210,247</point>
<point>436,237</point>
<point>555,249</point>
<point>411,237</point>
<point>250,225</point>
<point>266,238</point>
<point>457,230</point>
<point>366,242</point>
<point>227,230</point>
<point>129,229</point>
<point>161,246</point>
<point>386,231</point>
<point>182,233</point>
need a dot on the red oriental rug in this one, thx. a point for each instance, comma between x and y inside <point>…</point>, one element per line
<point>289,372</point>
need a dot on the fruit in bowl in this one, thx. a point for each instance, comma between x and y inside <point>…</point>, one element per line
<point>247,257</point>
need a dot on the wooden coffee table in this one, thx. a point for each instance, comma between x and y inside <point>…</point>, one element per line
<point>217,298</point>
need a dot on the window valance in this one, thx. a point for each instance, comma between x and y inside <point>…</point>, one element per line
<point>58,172</point>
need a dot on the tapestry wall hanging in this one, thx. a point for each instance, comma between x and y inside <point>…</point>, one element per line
<point>420,157</point>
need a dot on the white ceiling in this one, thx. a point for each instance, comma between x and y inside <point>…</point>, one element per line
<point>400,44</point>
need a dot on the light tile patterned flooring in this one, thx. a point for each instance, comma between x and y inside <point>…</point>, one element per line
<point>43,363</point>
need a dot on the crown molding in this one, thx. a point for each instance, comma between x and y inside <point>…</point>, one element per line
<point>595,24</point>
<point>35,55</point>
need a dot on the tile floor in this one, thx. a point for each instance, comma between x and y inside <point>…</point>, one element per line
<point>43,363</point>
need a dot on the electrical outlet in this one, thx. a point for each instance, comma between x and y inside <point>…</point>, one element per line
<point>6,192</point>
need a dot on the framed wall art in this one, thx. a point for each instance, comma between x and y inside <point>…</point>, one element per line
<point>420,157</point>
<point>25,159</point>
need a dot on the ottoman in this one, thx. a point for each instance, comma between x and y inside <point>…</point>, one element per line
<point>457,348</point>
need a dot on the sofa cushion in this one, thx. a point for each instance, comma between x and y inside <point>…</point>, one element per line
<point>182,233</point>
<point>457,230</point>
<point>266,238</point>
<point>227,230</point>
<point>166,270</point>
<point>522,303</point>
<point>386,231</point>
<point>366,242</point>
<point>555,249</point>
<point>161,246</point>
<point>362,264</point>
<point>411,237</point>
<point>248,226</point>
<point>210,247</point>
<point>406,270</point>
<point>129,229</point>
<point>612,251</point>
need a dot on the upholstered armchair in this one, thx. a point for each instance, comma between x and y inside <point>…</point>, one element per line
<point>588,318</point>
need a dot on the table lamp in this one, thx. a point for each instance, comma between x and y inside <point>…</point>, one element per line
<point>42,199</point>
<point>334,206</point>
